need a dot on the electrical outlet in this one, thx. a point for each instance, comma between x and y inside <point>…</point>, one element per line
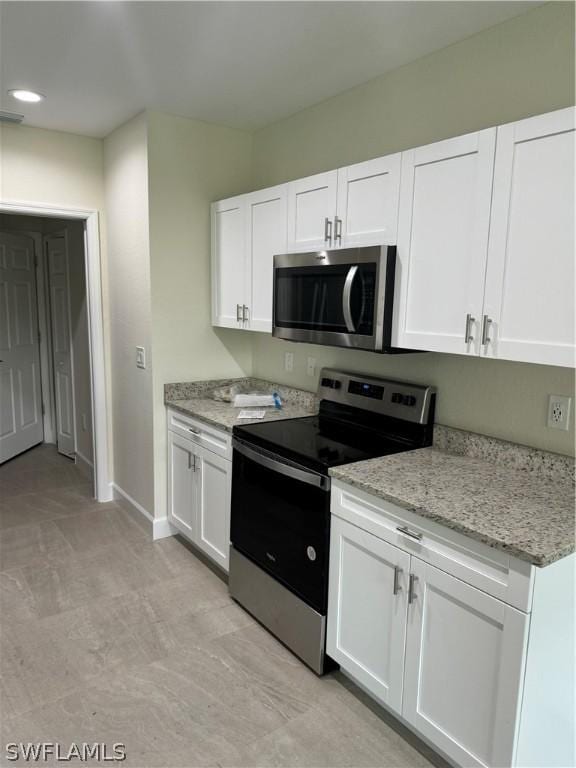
<point>289,361</point>
<point>140,357</point>
<point>311,366</point>
<point>84,422</point>
<point>559,411</point>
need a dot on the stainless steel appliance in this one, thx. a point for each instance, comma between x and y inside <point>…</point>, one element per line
<point>280,525</point>
<point>343,298</point>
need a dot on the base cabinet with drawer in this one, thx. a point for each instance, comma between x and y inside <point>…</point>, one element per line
<point>199,485</point>
<point>455,663</point>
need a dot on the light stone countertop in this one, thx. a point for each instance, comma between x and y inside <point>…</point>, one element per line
<point>195,399</point>
<point>512,498</point>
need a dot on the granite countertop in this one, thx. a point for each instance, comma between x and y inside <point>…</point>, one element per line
<point>196,399</point>
<point>512,498</point>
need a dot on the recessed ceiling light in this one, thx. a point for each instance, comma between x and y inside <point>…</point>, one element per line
<point>24,95</point>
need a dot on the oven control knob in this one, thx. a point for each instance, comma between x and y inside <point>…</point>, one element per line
<point>311,552</point>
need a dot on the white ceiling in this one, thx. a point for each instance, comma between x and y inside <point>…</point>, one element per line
<point>243,64</point>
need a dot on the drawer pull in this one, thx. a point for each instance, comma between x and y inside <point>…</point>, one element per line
<point>407,532</point>
<point>411,590</point>
<point>396,587</point>
<point>194,431</point>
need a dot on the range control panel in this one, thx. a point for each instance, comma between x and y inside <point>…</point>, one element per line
<point>399,399</point>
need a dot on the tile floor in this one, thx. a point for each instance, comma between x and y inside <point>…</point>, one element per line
<point>108,637</point>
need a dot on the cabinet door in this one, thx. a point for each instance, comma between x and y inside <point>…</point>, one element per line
<point>311,211</point>
<point>368,195</point>
<point>182,486</point>
<point>367,610</point>
<point>266,236</point>
<point>530,276</point>
<point>214,485</point>
<point>229,263</point>
<point>464,668</point>
<point>442,243</point>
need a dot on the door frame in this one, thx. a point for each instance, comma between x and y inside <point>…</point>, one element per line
<point>102,480</point>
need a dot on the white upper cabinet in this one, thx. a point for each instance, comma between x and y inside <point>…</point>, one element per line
<point>311,210</point>
<point>229,263</point>
<point>356,205</point>
<point>367,206</point>
<point>484,224</point>
<point>442,243</point>
<point>530,278</point>
<point>465,655</point>
<point>266,236</point>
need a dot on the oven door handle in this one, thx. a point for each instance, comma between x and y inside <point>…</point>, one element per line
<point>347,299</point>
<point>312,478</point>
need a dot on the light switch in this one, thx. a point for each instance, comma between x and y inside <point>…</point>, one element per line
<point>140,357</point>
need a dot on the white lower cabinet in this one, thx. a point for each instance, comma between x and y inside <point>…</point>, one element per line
<point>463,671</point>
<point>199,487</point>
<point>367,610</point>
<point>486,684</point>
<point>214,476</point>
<point>182,486</point>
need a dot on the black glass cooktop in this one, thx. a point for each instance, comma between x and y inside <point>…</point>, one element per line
<point>324,441</point>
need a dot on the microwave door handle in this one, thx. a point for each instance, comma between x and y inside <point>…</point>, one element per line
<point>347,299</point>
<point>284,469</point>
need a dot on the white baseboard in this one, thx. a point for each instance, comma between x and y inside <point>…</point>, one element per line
<point>85,465</point>
<point>133,503</point>
<point>161,528</point>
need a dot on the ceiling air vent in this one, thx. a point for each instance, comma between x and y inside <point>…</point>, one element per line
<point>10,117</point>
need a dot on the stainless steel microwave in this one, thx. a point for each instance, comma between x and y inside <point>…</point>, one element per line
<point>341,298</point>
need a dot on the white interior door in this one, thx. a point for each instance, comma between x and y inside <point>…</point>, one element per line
<point>367,602</point>
<point>214,478</point>
<point>368,195</point>
<point>442,243</point>
<point>20,388</point>
<point>311,211</point>
<point>229,267</point>
<point>61,330</point>
<point>465,655</point>
<point>266,234</point>
<point>530,275</point>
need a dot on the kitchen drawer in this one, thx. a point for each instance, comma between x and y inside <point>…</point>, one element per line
<point>488,569</point>
<point>215,440</point>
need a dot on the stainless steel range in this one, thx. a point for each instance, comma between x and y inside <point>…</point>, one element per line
<point>280,525</point>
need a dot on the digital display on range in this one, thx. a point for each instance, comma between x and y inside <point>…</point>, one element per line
<point>363,389</point>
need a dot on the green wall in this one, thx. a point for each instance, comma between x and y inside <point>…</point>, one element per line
<point>520,68</point>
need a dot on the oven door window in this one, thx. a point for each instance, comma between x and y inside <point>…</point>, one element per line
<point>333,298</point>
<point>283,525</point>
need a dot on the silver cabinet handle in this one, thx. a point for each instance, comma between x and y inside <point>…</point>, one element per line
<point>347,299</point>
<point>396,586</point>
<point>411,590</point>
<point>327,230</point>
<point>192,462</point>
<point>407,532</point>
<point>245,313</point>
<point>238,313</point>
<point>486,323</point>
<point>337,230</point>
<point>467,334</point>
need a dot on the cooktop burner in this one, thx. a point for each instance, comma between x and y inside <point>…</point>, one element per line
<point>318,441</point>
<point>360,418</point>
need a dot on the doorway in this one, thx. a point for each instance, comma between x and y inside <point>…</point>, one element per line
<point>52,378</point>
